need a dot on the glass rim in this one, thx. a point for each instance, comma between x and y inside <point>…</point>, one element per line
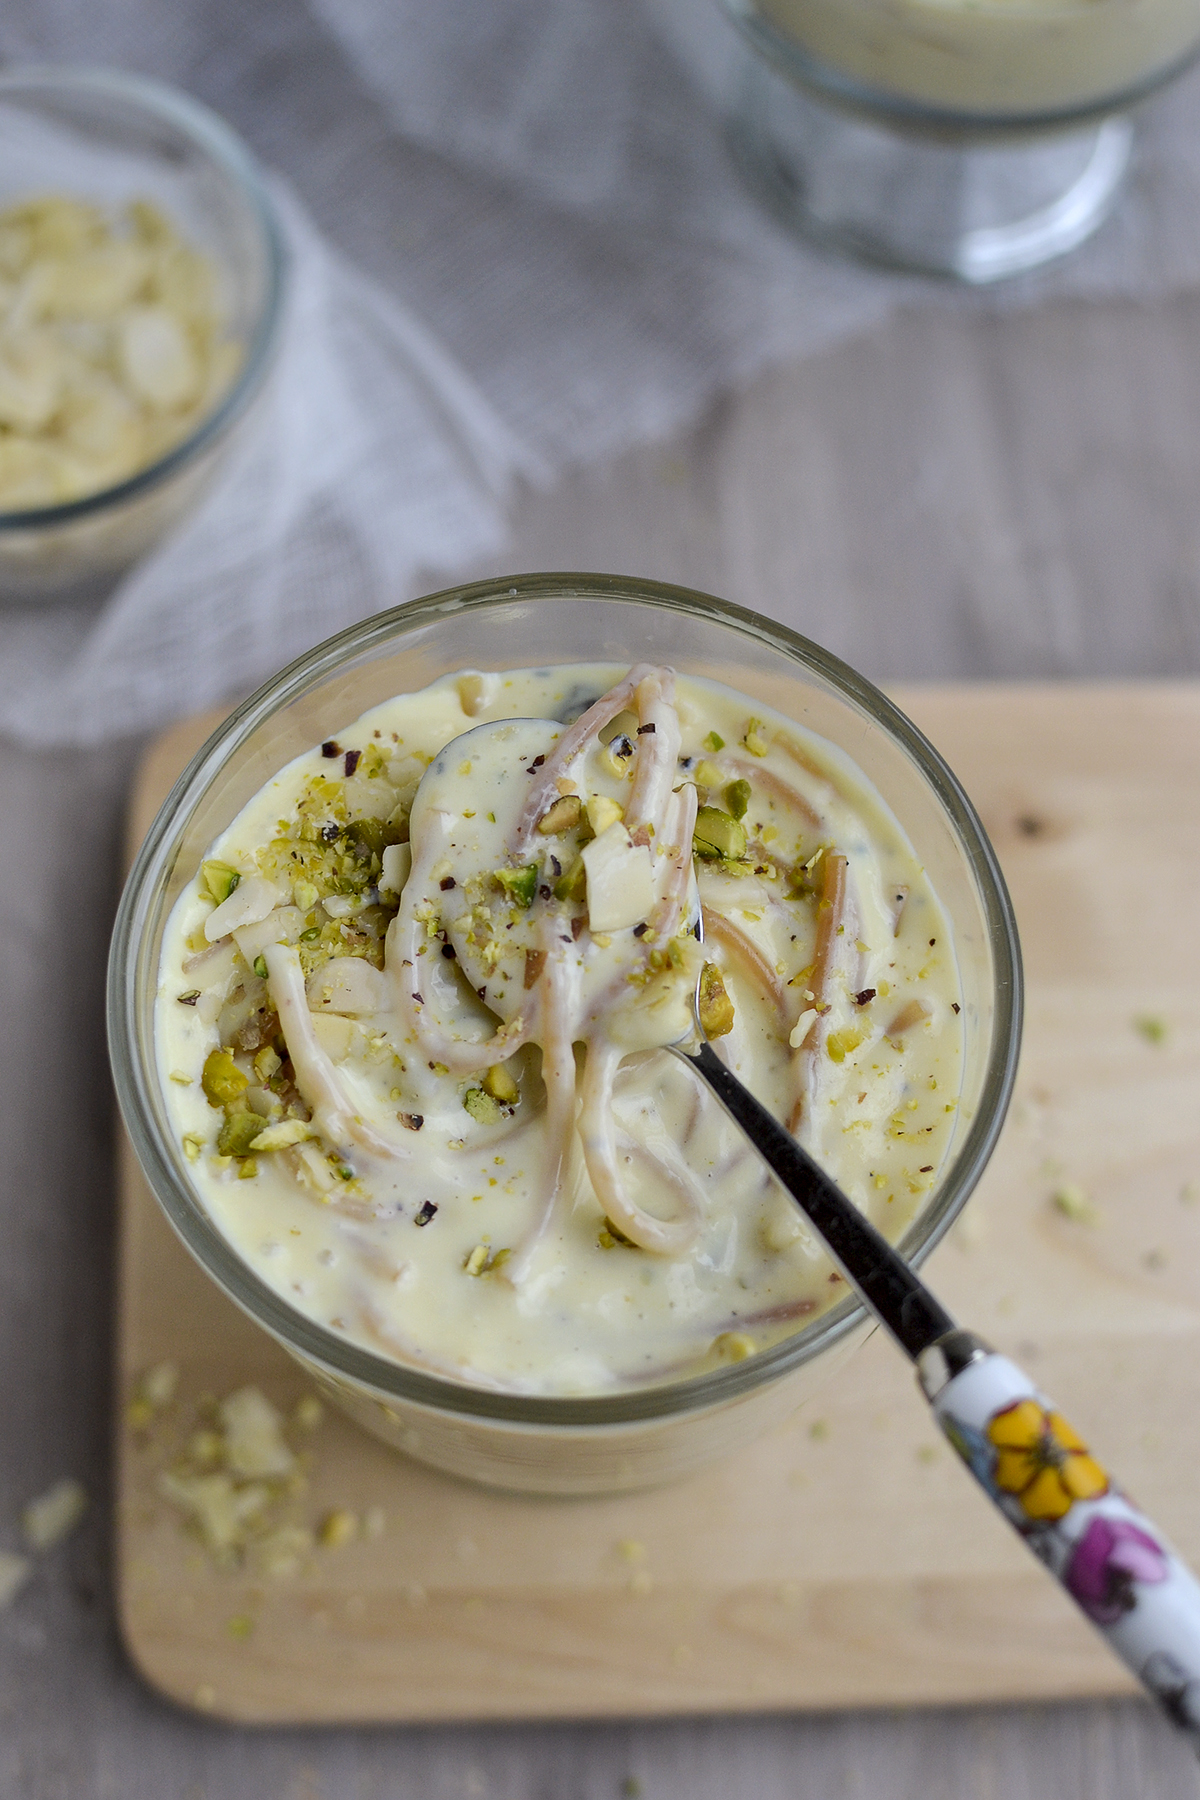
<point>882,108</point>
<point>210,133</point>
<point>136,1079</point>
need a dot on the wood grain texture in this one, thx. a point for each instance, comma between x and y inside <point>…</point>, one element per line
<point>845,1560</point>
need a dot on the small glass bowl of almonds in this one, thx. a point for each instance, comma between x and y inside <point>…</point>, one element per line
<point>141,275</point>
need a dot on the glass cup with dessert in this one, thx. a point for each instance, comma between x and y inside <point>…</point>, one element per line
<point>969,138</point>
<point>393,973</point>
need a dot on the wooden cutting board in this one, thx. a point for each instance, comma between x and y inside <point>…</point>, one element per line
<point>845,1560</point>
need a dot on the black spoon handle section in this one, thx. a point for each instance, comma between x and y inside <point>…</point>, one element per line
<point>881,1276</point>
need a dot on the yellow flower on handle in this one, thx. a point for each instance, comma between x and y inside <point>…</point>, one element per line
<point>1043,1461</point>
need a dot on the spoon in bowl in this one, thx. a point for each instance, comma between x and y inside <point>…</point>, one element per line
<point>1113,1562</point>
<point>1035,1468</point>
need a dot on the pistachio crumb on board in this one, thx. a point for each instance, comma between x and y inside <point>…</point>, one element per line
<point>1072,1202</point>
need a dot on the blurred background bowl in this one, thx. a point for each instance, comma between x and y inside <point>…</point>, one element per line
<point>110,138</point>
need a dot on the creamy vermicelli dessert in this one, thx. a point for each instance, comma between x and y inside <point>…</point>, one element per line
<point>412,1010</point>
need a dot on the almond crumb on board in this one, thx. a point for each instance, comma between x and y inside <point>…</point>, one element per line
<point>14,1573</point>
<point>307,1413</point>
<point>228,1467</point>
<point>54,1514</point>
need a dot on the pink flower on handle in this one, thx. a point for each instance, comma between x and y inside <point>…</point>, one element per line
<point>1109,1558</point>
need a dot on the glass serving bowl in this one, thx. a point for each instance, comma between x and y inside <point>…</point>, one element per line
<point>646,1435</point>
<point>107,137</point>
<point>970,138</point>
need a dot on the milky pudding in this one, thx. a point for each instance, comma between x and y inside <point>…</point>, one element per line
<point>992,57</point>
<point>412,1014</point>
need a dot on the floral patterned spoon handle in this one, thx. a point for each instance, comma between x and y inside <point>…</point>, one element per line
<point>1113,1562</point>
<point>1108,1556</point>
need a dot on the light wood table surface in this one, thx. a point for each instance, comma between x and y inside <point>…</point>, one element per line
<point>952,497</point>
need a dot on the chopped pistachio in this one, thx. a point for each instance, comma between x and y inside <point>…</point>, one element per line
<point>247,1169</point>
<point>267,1063</point>
<point>281,1136</point>
<point>563,815</point>
<point>139,1413</point>
<point>519,884</point>
<point>755,739</point>
<point>1073,1203</point>
<point>221,1079</point>
<point>572,884</point>
<point>715,1006</point>
<point>192,1146</point>
<point>734,1346</point>
<point>367,836</point>
<point>206,1447</point>
<point>219,879</point>
<point>708,774</point>
<point>714,742</point>
<point>603,812</point>
<point>501,1086</point>
<point>737,798</point>
<point>305,895</point>
<point>1152,1028</point>
<point>839,1044</point>
<point>718,835</point>
<point>474,1265</point>
<point>337,1528</point>
<point>483,1107</point>
<point>238,1131</point>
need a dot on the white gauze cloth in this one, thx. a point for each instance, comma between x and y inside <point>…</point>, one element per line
<point>536,252</point>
